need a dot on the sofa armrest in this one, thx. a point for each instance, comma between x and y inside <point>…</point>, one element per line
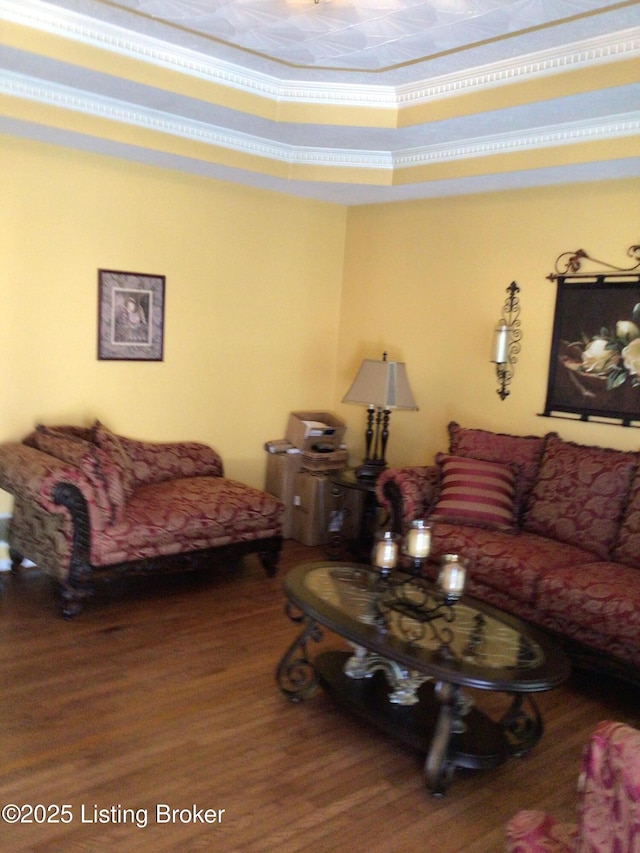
<point>31,475</point>
<point>407,493</point>
<point>154,462</point>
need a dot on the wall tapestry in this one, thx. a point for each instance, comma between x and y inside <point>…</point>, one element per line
<point>594,369</point>
<point>130,316</point>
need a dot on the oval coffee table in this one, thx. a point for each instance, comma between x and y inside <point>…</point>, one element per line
<point>412,655</point>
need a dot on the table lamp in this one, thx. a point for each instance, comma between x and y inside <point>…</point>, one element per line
<point>380,386</point>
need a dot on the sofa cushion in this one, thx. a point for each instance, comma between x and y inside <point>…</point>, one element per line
<point>580,495</point>
<point>601,596</point>
<point>502,561</point>
<point>627,548</point>
<point>186,515</point>
<point>522,450</point>
<point>475,492</point>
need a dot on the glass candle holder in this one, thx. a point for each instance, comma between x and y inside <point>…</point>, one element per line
<point>385,551</point>
<point>452,579</point>
<point>418,542</point>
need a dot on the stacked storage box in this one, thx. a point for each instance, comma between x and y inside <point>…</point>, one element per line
<point>298,471</point>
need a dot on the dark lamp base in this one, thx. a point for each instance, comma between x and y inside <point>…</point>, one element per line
<point>370,469</point>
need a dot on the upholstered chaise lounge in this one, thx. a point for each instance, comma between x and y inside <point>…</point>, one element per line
<point>89,502</point>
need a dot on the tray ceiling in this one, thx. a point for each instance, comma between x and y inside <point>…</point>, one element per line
<point>349,101</point>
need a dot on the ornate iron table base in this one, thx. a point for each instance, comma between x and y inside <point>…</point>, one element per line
<point>435,717</point>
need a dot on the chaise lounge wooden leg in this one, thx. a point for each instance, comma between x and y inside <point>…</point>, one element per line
<point>71,601</point>
<point>269,560</point>
<point>16,560</point>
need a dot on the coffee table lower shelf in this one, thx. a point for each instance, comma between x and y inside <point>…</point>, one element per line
<point>482,745</point>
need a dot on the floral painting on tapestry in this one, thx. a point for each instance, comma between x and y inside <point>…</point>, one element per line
<point>595,353</point>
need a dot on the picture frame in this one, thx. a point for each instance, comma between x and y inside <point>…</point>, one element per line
<point>594,367</point>
<point>130,316</point>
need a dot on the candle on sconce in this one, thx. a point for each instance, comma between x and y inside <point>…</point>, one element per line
<point>500,354</point>
<point>385,550</point>
<point>453,575</point>
<point>418,542</point>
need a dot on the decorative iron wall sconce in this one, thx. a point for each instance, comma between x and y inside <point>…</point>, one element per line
<point>506,340</point>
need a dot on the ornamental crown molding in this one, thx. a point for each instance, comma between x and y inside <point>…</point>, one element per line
<point>53,94</point>
<point>39,15</point>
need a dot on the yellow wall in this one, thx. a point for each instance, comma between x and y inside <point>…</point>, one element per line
<point>427,280</point>
<point>252,302</point>
<point>273,301</point>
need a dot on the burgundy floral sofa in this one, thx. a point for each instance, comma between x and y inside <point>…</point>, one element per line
<point>551,530</point>
<point>88,501</point>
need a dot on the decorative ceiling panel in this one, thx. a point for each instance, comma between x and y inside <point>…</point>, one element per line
<point>364,35</point>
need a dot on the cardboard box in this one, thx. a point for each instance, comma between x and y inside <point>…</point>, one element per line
<point>311,507</point>
<point>321,510</point>
<point>334,461</point>
<point>280,481</point>
<point>304,429</point>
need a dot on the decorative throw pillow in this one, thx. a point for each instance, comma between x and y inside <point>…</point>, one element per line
<point>114,458</point>
<point>81,453</point>
<point>107,468</point>
<point>63,446</point>
<point>522,450</point>
<point>476,492</point>
<point>580,495</point>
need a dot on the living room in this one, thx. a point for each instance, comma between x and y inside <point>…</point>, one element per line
<point>272,301</point>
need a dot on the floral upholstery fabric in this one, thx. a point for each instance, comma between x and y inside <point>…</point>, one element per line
<point>609,809</point>
<point>611,800</point>
<point>627,548</point>
<point>104,467</point>
<point>603,596</point>
<point>44,536</point>
<point>153,462</point>
<point>522,450</point>
<point>186,505</point>
<point>532,831</point>
<point>116,461</point>
<point>513,564</point>
<point>31,476</point>
<point>187,514</point>
<point>599,643</point>
<point>557,571</point>
<point>580,495</point>
<point>418,486</point>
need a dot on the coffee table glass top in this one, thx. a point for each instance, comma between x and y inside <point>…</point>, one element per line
<point>472,635</point>
<point>472,642</point>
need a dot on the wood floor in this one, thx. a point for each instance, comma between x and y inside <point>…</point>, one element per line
<point>162,696</point>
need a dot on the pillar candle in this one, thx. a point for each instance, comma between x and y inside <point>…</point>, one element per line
<point>419,542</point>
<point>453,576</point>
<point>386,554</point>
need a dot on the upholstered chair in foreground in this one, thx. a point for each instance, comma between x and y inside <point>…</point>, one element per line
<point>609,806</point>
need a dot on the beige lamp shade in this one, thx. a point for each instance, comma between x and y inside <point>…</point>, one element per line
<point>382,384</point>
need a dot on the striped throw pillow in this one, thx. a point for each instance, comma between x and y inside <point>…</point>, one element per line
<point>476,492</point>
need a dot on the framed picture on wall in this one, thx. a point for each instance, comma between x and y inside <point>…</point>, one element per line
<point>594,367</point>
<point>130,316</point>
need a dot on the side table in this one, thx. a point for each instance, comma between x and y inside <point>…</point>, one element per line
<point>339,543</point>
